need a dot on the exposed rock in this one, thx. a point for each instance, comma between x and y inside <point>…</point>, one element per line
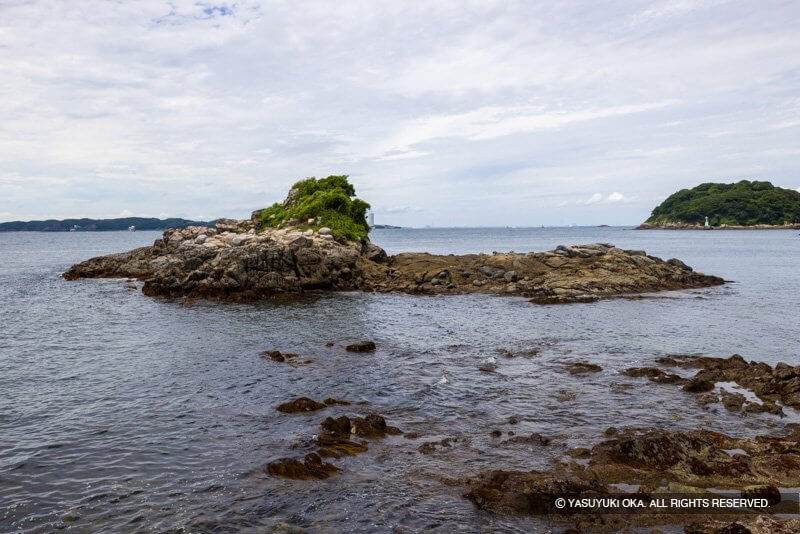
<point>301,405</point>
<point>274,355</point>
<point>675,461</point>
<point>580,368</point>
<point>523,493</point>
<point>361,346</point>
<point>230,265</point>
<point>697,458</point>
<point>655,375</point>
<point>312,467</point>
<point>770,385</point>
<point>698,385</point>
<point>372,426</point>
<point>733,402</point>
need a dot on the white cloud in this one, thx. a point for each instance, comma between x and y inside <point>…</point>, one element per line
<point>126,213</point>
<point>475,113</point>
<point>594,199</point>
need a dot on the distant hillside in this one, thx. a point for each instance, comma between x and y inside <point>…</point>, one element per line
<point>98,225</point>
<point>744,203</point>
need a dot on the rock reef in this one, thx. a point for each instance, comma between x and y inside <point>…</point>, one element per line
<point>652,462</point>
<point>235,262</point>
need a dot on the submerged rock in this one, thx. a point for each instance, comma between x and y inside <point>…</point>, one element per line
<point>312,467</point>
<point>580,368</point>
<point>361,346</point>
<point>655,375</point>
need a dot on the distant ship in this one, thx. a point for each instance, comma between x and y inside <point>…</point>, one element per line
<point>131,228</point>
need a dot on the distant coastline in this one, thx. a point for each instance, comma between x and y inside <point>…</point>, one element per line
<point>100,225</point>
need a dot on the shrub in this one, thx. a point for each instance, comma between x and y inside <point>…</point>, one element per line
<point>329,201</point>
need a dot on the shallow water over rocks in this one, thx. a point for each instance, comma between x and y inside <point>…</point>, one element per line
<point>128,413</point>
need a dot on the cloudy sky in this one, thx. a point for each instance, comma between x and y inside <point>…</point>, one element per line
<point>443,113</point>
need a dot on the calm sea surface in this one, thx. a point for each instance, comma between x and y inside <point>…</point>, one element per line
<point>123,413</point>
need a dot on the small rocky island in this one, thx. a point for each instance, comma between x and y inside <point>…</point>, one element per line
<point>317,239</point>
<point>744,205</point>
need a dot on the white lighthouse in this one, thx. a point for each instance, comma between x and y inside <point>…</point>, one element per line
<point>706,220</point>
<point>371,219</point>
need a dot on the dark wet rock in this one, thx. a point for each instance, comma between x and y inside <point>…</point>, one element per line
<point>523,493</point>
<point>362,346</point>
<point>698,385</point>
<point>372,426</point>
<point>513,420</point>
<point>764,491</point>
<point>764,407</point>
<point>412,435</point>
<point>584,367</point>
<point>781,383</point>
<point>337,446</point>
<point>610,431</point>
<point>678,263</point>
<point>579,452</point>
<point>733,402</point>
<point>300,405</point>
<point>312,467</point>
<point>654,374</point>
<point>274,355</point>
<point>532,439</point>
<point>288,357</point>
<point>339,426</point>
<point>429,447</point>
<point>495,433</point>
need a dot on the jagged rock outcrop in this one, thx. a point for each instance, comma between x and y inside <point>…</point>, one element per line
<point>234,262</point>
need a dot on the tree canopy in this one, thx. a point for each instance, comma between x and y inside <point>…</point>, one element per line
<point>743,203</point>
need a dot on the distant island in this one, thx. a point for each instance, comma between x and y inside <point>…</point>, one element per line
<point>741,205</point>
<point>99,225</point>
<point>385,227</point>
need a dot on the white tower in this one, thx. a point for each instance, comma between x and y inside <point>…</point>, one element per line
<point>706,220</point>
<point>371,219</point>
